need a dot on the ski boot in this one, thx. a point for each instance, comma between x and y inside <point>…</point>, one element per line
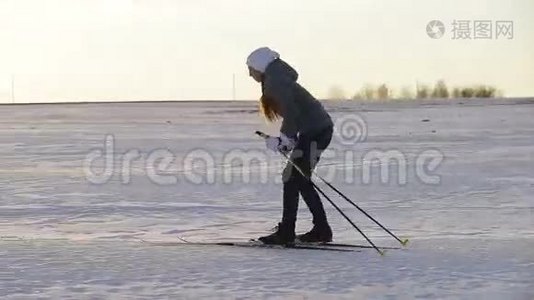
<point>318,234</point>
<point>284,235</point>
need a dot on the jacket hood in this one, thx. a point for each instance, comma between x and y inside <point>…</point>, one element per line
<point>281,70</point>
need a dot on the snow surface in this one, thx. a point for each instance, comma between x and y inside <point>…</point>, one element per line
<point>62,237</point>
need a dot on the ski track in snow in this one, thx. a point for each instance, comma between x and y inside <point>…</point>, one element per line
<point>471,235</point>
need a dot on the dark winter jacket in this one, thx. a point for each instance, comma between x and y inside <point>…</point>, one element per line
<point>301,112</point>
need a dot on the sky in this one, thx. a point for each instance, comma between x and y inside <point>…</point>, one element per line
<point>120,50</point>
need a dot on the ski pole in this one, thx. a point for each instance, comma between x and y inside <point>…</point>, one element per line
<point>402,242</point>
<point>324,195</point>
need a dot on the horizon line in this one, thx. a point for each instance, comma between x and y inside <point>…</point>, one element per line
<point>399,100</point>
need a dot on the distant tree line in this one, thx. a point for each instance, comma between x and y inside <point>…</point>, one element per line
<point>422,91</point>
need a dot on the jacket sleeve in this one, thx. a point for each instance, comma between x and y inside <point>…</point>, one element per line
<point>282,93</point>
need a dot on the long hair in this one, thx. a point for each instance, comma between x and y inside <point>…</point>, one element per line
<point>269,108</point>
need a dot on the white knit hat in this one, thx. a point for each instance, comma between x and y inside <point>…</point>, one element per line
<point>260,58</point>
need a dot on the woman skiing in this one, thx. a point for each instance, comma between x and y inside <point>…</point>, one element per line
<point>305,132</point>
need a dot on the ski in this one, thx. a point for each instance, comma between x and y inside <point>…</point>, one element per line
<point>338,245</point>
<point>330,244</point>
<point>253,244</point>
<point>259,244</point>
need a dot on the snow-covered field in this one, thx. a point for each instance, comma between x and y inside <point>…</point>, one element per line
<point>69,232</point>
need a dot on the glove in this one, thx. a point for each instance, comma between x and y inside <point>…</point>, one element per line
<point>283,143</point>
